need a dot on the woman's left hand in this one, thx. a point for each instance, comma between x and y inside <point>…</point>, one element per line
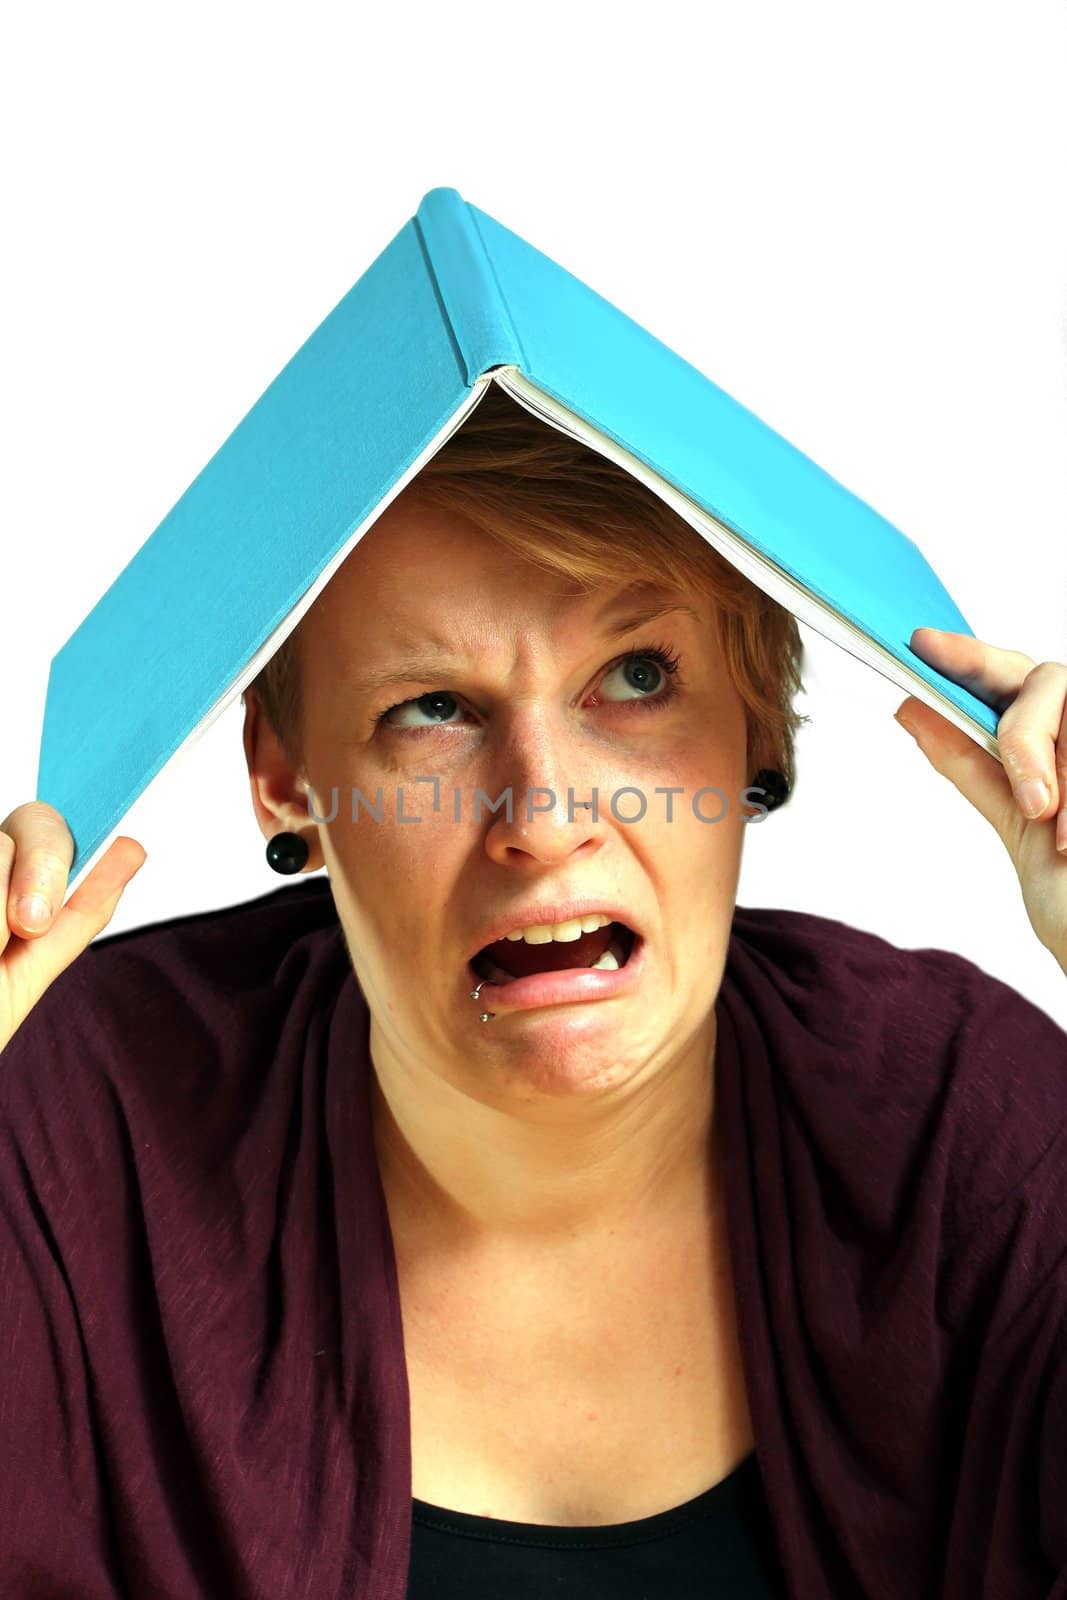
<point>1032,737</point>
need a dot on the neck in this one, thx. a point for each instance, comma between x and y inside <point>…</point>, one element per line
<point>554,1174</point>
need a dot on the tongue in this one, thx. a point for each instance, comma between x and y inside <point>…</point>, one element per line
<point>522,959</point>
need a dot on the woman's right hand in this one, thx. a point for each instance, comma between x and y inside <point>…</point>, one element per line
<point>36,850</point>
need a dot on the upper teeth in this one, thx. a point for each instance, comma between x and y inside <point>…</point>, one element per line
<point>564,932</point>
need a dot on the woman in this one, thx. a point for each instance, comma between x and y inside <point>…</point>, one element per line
<point>714,1270</point>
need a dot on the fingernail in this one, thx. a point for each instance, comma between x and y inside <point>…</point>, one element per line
<point>1033,797</point>
<point>33,911</point>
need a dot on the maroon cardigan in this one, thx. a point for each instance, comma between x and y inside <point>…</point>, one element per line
<point>202,1380</point>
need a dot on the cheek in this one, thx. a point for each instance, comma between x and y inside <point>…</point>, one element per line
<point>711,774</point>
<point>393,871</point>
<point>700,863</point>
<point>701,849</point>
<point>384,878</point>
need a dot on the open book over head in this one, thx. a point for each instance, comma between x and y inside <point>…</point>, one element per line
<point>454,302</point>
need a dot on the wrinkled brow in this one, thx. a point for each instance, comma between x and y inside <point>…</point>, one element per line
<point>439,660</point>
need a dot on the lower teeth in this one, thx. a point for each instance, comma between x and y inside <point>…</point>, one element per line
<point>610,961</point>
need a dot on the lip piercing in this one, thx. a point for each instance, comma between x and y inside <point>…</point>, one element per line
<point>474,995</point>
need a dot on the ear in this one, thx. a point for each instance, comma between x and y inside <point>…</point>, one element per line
<point>763,752</point>
<point>279,790</point>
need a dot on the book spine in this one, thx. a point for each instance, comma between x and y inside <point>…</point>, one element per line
<point>470,294</point>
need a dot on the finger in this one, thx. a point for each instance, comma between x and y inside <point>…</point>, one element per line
<point>977,775</point>
<point>7,859</point>
<point>1061,779</point>
<point>44,850</point>
<point>35,963</point>
<point>993,674</point>
<point>1027,736</point>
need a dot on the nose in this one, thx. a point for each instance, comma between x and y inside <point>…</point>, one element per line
<point>549,787</point>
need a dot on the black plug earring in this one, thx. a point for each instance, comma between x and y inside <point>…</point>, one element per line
<point>287,852</point>
<point>776,786</point>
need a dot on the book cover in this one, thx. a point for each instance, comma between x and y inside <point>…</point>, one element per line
<point>453,302</point>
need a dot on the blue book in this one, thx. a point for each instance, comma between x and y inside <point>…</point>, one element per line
<point>454,302</point>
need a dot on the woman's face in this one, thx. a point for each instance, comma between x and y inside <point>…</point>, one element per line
<point>524,687</point>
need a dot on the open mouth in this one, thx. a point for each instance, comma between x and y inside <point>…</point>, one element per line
<point>604,950</point>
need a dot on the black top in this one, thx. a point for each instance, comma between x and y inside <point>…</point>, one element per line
<point>719,1544</point>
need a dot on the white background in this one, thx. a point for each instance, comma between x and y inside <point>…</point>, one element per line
<point>849,216</point>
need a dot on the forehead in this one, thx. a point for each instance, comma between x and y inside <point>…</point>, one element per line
<point>408,653</point>
<point>422,564</point>
<point>441,610</point>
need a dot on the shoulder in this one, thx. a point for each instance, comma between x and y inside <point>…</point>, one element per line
<point>144,1019</point>
<point>916,1058</point>
<point>928,1006</point>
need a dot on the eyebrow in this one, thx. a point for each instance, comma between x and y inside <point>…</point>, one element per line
<point>426,666</point>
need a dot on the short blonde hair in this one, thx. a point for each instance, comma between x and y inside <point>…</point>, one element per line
<point>554,502</point>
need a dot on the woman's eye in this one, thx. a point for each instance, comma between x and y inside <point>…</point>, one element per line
<point>647,679</point>
<point>438,706</point>
<point>647,674</point>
